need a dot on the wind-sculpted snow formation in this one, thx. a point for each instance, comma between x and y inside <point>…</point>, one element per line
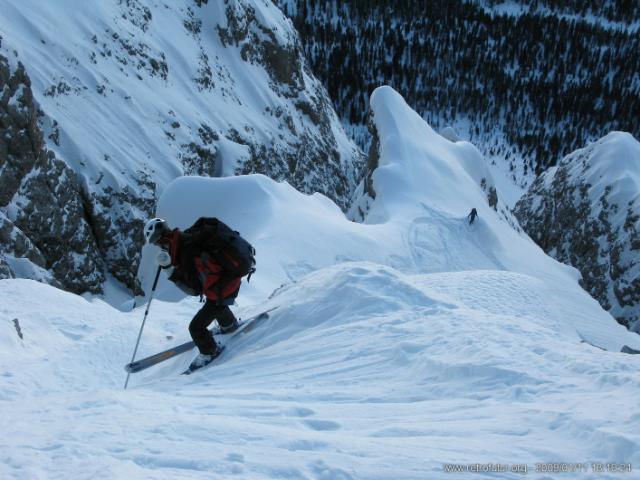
<point>408,159</point>
<point>586,212</point>
<point>416,222</point>
<point>398,345</point>
<point>122,97</point>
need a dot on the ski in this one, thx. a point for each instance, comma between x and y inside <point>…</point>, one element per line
<point>152,360</point>
<point>246,327</point>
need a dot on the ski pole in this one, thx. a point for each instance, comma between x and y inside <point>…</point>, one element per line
<point>153,289</point>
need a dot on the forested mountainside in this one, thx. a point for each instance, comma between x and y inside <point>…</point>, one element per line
<point>625,11</point>
<point>529,81</point>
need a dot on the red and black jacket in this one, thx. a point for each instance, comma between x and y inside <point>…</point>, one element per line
<point>198,272</point>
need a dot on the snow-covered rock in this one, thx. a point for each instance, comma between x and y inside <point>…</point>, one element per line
<point>44,232</point>
<point>586,212</point>
<point>133,93</point>
<point>407,155</point>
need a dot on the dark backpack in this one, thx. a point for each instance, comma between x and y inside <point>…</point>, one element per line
<point>221,242</point>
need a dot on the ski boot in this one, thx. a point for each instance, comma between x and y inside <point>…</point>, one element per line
<point>232,327</point>
<point>204,359</point>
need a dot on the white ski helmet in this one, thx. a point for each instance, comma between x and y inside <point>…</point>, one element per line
<point>154,229</point>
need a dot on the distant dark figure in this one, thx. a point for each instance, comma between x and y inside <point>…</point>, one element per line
<point>472,216</point>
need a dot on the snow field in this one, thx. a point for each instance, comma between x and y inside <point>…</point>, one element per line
<point>399,345</point>
<point>341,382</point>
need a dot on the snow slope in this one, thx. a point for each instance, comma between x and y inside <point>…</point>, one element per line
<point>397,346</point>
<point>127,83</point>
<point>136,93</point>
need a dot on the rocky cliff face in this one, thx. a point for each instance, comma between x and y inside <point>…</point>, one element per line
<point>44,232</point>
<point>307,151</point>
<point>586,212</point>
<point>101,109</point>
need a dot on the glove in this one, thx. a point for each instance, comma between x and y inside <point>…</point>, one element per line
<point>163,259</point>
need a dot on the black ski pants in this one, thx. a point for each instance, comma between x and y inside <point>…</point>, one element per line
<point>209,312</point>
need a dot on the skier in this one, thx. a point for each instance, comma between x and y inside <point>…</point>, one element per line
<point>472,216</point>
<point>198,272</point>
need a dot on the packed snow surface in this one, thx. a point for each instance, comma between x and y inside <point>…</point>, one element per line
<point>399,347</point>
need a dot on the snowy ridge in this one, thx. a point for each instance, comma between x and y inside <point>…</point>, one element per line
<point>398,346</point>
<point>417,163</point>
<point>612,163</point>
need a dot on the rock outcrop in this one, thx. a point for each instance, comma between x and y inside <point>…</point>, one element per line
<point>44,232</point>
<point>586,212</point>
